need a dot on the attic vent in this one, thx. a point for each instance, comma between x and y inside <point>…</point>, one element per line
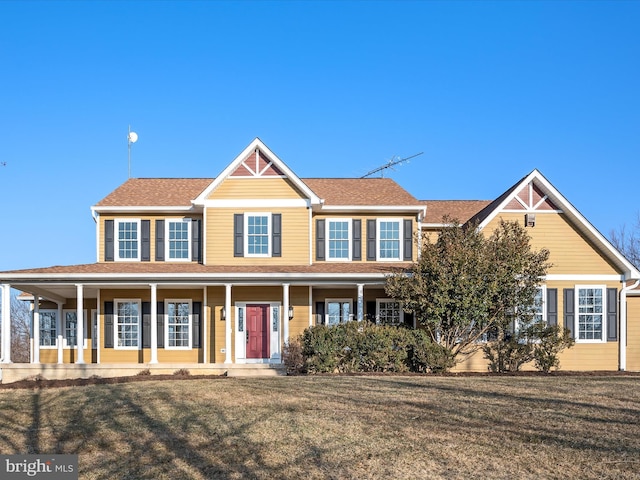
<point>530,220</point>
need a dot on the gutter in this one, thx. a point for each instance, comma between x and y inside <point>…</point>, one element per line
<point>623,324</point>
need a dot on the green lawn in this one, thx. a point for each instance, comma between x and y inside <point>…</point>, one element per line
<point>336,427</point>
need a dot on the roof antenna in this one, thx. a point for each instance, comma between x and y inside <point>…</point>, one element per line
<point>395,160</point>
<point>132,137</point>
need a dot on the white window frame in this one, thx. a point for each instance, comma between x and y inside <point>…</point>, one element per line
<point>379,239</point>
<point>65,339</point>
<point>341,301</point>
<point>166,323</point>
<point>116,323</point>
<point>94,329</point>
<point>167,241</point>
<point>603,333</point>
<point>116,239</point>
<point>543,313</point>
<point>55,329</point>
<point>246,234</point>
<point>389,300</point>
<point>349,223</point>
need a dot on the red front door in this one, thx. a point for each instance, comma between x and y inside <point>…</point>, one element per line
<point>257,331</point>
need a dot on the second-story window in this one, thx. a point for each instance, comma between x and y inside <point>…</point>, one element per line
<point>257,236</point>
<point>128,239</point>
<point>389,239</point>
<point>177,238</point>
<point>338,241</point>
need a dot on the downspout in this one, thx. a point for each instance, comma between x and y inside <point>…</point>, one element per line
<point>623,324</point>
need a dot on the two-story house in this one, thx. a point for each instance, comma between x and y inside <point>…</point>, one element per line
<point>213,274</point>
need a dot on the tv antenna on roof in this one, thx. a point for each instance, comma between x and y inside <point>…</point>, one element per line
<point>395,160</point>
<point>132,137</point>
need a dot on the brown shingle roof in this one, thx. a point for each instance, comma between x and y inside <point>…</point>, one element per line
<point>150,268</point>
<point>156,192</point>
<point>164,192</point>
<point>461,210</point>
<point>360,191</point>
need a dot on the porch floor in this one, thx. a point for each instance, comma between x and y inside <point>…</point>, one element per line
<point>12,372</point>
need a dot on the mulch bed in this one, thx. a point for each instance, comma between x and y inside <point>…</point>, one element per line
<point>39,383</point>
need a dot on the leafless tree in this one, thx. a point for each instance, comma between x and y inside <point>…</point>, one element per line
<point>627,240</point>
<point>20,328</point>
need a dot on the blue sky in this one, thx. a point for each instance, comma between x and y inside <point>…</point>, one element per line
<point>487,90</point>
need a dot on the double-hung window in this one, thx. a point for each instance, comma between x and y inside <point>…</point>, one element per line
<point>48,328</point>
<point>178,240</point>
<point>178,324</point>
<point>127,324</point>
<point>128,239</point>
<point>338,311</point>
<point>388,312</point>
<point>70,328</point>
<point>389,239</point>
<point>590,314</point>
<point>258,233</point>
<point>339,236</point>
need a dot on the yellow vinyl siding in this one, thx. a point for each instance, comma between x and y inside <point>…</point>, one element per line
<point>152,232</point>
<point>143,355</point>
<point>363,233</point>
<point>633,333</point>
<point>582,356</point>
<point>220,237</point>
<point>255,188</point>
<point>570,252</point>
<point>299,300</point>
<point>215,301</point>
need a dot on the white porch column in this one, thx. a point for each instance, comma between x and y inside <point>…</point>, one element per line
<point>285,313</point>
<point>6,323</point>
<point>36,329</point>
<point>310,306</point>
<point>360,302</point>
<point>59,333</point>
<point>98,332</point>
<point>227,326</point>
<point>80,320</point>
<point>203,320</point>
<point>154,323</point>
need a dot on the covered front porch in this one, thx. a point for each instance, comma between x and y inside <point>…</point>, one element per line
<point>216,333</point>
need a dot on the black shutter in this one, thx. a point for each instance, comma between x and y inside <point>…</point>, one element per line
<point>146,324</point>
<point>108,325</point>
<point>196,240</point>
<point>145,235</point>
<point>160,322</point>
<point>276,235</point>
<point>408,319</point>
<point>371,239</point>
<point>371,311</point>
<point>552,306</point>
<point>319,313</point>
<point>238,235</point>
<point>612,314</point>
<point>159,240</point>
<point>108,241</point>
<point>407,249</point>
<point>320,236</point>
<point>196,324</point>
<point>356,234</point>
<point>569,310</point>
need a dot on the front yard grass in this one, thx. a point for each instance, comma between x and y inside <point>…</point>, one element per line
<point>336,427</point>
